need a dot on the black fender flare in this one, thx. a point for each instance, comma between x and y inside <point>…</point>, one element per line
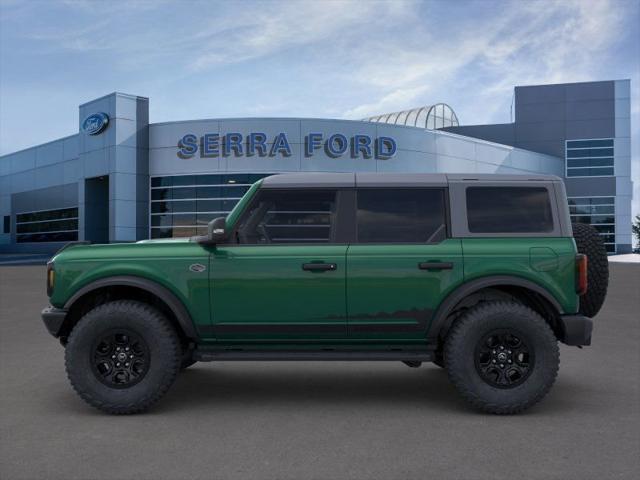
<point>167,296</point>
<point>439,322</point>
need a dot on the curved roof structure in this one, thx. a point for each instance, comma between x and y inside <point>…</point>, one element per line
<point>431,117</point>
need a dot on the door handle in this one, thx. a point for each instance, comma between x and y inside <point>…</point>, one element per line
<point>319,267</point>
<point>435,265</point>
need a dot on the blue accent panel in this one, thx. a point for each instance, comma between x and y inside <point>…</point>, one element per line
<point>210,145</point>
<point>312,142</point>
<point>281,145</point>
<point>361,144</point>
<point>385,147</point>
<point>233,142</point>
<point>257,142</point>
<point>336,145</point>
<point>188,146</point>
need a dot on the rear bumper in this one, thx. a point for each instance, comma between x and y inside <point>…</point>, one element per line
<point>576,330</point>
<point>53,319</point>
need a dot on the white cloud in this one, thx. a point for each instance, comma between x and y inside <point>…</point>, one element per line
<point>525,44</point>
<point>265,31</point>
<point>388,103</point>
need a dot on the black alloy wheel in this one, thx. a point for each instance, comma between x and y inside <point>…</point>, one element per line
<point>503,358</point>
<point>120,358</point>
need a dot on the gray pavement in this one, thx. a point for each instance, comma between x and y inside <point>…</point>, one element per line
<point>319,420</point>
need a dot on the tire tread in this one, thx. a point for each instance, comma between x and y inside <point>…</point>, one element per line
<point>164,328</point>
<point>453,356</point>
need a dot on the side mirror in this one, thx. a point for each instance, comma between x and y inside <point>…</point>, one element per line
<point>216,232</point>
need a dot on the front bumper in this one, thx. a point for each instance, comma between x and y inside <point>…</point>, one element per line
<point>576,330</point>
<point>53,319</point>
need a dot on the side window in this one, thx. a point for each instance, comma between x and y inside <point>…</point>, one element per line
<point>290,216</point>
<point>509,210</point>
<point>415,215</point>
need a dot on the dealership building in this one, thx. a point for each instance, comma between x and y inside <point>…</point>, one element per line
<point>122,179</point>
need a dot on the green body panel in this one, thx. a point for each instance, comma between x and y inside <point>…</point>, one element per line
<point>265,285</point>
<point>547,262</point>
<point>386,287</point>
<point>164,262</point>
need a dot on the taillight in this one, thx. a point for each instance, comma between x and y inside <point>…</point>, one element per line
<point>51,278</point>
<point>581,274</point>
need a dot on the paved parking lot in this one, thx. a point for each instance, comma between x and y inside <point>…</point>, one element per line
<point>319,420</point>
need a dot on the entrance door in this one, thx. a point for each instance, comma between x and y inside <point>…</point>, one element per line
<point>285,277</point>
<point>96,209</point>
<point>402,263</point>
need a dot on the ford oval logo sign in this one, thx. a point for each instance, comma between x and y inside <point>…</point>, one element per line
<point>95,123</point>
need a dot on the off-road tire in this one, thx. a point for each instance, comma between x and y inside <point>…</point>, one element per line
<point>590,243</point>
<point>160,339</point>
<point>471,329</point>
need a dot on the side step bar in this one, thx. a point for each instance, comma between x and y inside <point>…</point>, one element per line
<point>311,355</point>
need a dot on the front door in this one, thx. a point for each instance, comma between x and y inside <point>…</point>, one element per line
<point>402,263</point>
<point>285,277</point>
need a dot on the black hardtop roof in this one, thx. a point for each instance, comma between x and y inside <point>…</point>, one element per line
<point>377,179</point>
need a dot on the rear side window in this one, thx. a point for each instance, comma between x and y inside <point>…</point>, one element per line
<point>292,216</point>
<point>509,210</point>
<point>401,215</point>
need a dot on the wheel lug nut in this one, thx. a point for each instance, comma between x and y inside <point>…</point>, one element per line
<point>117,349</point>
<point>508,351</point>
<point>501,347</point>
<point>130,356</point>
<point>502,365</point>
<point>113,356</point>
<point>126,364</point>
<point>127,349</point>
<point>118,364</point>
<point>508,361</point>
<point>493,351</point>
<point>493,361</point>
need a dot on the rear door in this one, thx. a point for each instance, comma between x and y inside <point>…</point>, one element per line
<point>402,263</point>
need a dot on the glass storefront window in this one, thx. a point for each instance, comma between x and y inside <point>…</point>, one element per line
<point>57,225</point>
<point>589,158</point>
<point>598,212</point>
<point>183,205</point>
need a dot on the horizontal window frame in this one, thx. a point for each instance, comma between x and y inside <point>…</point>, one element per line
<point>42,221</point>
<point>202,186</point>
<point>575,140</point>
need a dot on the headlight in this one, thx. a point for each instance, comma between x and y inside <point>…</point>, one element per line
<point>51,278</point>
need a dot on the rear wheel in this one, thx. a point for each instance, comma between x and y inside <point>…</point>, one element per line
<point>589,242</point>
<point>502,357</point>
<point>122,357</point>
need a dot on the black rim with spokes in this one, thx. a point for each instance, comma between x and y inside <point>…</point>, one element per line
<point>120,358</point>
<point>503,358</point>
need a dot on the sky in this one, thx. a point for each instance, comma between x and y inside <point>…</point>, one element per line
<point>323,59</point>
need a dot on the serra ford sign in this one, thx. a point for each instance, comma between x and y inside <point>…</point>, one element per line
<point>258,144</point>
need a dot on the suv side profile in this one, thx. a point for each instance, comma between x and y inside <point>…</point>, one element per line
<point>481,274</point>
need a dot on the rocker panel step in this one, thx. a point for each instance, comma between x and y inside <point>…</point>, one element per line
<point>313,355</point>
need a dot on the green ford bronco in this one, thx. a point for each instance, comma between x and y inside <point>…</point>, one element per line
<point>479,274</point>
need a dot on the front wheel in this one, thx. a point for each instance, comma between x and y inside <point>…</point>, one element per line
<point>502,357</point>
<point>122,356</point>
